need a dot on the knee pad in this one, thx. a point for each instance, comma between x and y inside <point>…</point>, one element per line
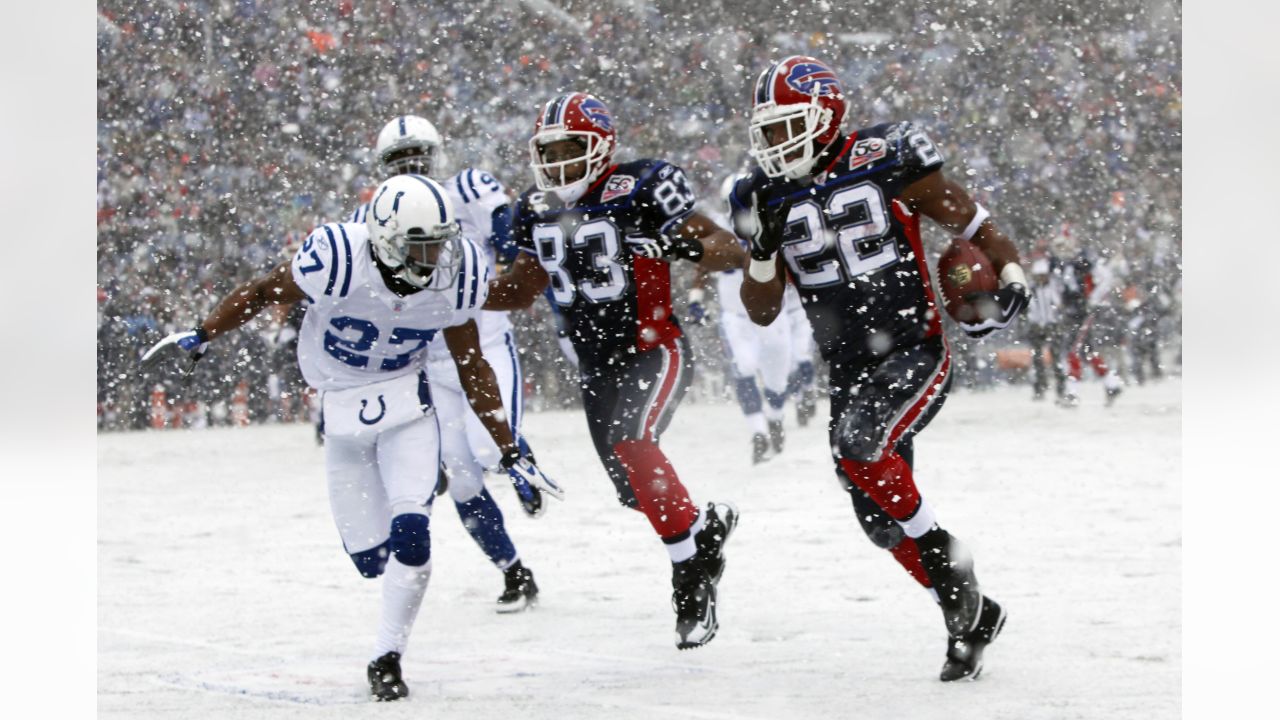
<point>748,394</point>
<point>411,538</point>
<point>371,562</point>
<point>855,440</point>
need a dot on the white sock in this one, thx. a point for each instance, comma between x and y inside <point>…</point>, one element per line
<point>403,587</point>
<point>688,547</point>
<point>756,422</point>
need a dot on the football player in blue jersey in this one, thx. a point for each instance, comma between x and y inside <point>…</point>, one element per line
<point>838,215</point>
<point>602,234</point>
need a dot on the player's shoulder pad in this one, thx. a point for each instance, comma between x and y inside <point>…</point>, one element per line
<point>322,267</point>
<point>661,188</point>
<point>476,185</point>
<point>907,143</point>
<point>359,214</point>
<point>471,284</point>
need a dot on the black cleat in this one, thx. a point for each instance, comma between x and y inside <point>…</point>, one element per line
<point>964,653</point>
<point>720,521</point>
<point>384,678</point>
<point>521,591</point>
<point>694,600</point>
<point>759,448</point>
<point>1069,401</point>
<point>806,407</point>
<point>1112,394</point>
<point>776,435</point>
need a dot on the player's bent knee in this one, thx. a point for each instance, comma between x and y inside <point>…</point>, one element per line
<point>411,538</point>
<point>883,531</point>
<point>855,442</point>
<point>373,561</point>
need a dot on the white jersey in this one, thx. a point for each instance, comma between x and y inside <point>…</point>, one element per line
<point>474,195</point>
<point>355,330</point>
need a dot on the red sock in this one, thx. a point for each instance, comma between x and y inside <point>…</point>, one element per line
<point>908,556</point>
<point>658,490</point>
<point>1099,365</point>
<point>1073,365</point>
<point>889,483</point>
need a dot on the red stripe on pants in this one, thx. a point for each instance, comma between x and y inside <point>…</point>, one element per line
<point>659,493</point>
<point>670,374</point>
<point>917,408</point>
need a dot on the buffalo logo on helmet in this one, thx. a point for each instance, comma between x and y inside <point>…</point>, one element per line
<point>813,79</point>
<point>597,113</point>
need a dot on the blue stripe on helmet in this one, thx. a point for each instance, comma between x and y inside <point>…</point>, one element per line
<point>444,215</point>
<point>462,269</point>
<point>461,193</point>
<point>403,132</point>
<point>471,180</point>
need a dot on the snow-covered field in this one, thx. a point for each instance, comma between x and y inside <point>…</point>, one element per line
<point>224,591</point>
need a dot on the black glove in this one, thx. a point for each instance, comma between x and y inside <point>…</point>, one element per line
<point>766,235</point>
<point>666,247</point>
<point>995,310</point>
<point>193,343</point>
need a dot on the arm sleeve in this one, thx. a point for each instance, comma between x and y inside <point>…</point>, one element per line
<point>522,227</point>
<point>664,199</point>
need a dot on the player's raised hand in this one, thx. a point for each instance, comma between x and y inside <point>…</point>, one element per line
<point>191,343</point>
<point>995,310</point>
<point>529,481</point>
<point>766,227</point>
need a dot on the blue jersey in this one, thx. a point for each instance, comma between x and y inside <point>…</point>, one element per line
<point>613,302</point>
<point>852,251</point>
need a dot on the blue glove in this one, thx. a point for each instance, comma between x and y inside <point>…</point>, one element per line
<point>529,481</point>
<point>995,310</point>
<point>193,343</point>
<point>666,247</point>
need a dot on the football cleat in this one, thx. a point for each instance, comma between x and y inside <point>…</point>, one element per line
<point>1069,401</point>
<point>964,652</point>
<point>694,600</point>
<point>384,678</point>
<point>720,521</point>
<point>776,435</point>
<point>759,448</point>
<point>806,407</point>
<point>1112,394</point>
<point>521,591</point>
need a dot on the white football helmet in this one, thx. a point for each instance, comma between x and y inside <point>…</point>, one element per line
<point>409,144</point>
<point>414,232</point>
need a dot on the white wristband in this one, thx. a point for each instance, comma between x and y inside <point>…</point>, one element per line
<point>763,270</point>
<point>979,217</point>
<point>1012,273</point>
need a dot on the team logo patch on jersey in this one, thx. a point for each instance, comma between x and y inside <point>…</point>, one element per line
<point>865,152</point>
<point>617,186</point>
<point>597,113</point>
<point>813,79</point>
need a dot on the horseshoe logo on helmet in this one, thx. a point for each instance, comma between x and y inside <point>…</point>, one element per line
<point>395,206</point>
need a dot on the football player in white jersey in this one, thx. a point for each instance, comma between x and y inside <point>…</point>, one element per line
<point>376,294</point>
<point>411,144</point>
<point>757,353</point>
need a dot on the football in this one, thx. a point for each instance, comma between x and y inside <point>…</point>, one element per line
<point>964,269</point>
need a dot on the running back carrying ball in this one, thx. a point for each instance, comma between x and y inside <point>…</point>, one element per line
<point>963,270</point>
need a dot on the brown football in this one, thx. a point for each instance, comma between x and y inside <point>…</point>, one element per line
<point>964,269</point>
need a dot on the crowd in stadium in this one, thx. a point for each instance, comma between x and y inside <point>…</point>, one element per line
<point>227,129</point>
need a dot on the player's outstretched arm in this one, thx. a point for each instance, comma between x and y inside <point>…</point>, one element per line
<point>519,286</point>
<point>946,203</point>
<point>720,249</point>
<point>236,309</point>
<point>482,391</point>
